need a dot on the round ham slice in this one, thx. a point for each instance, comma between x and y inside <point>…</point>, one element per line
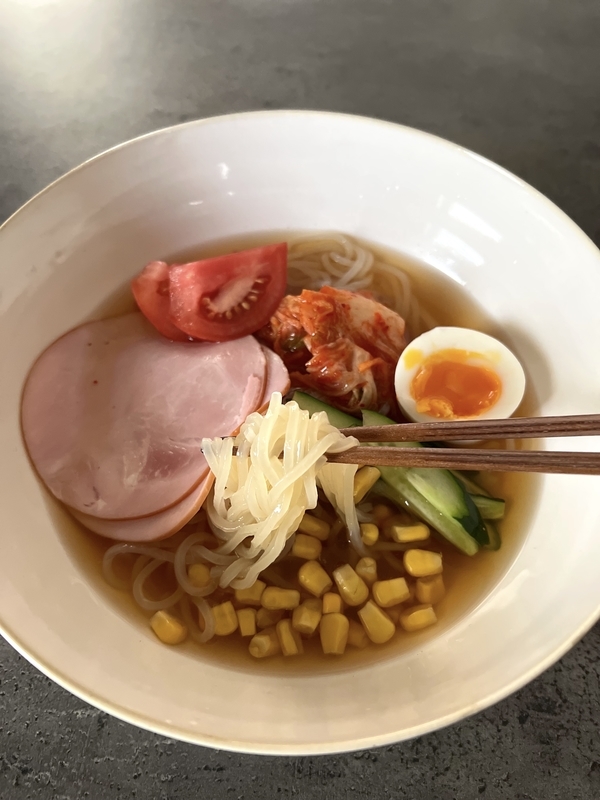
<point>150,529</point>
<point>113,414</point>
<point>278,378</point>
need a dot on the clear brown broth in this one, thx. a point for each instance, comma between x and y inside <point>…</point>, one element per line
<point>468,579</point>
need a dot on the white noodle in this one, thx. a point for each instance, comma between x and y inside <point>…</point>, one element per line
<point>281,456</point>
<point>138,589</point>
<point>183,557</point>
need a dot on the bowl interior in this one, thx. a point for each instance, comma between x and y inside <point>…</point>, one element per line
<point>70,250</point>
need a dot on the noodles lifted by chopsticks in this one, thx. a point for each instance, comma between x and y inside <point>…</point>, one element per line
<point>265,479</point>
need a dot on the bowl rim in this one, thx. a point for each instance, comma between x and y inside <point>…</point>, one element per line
<point>273,748</point>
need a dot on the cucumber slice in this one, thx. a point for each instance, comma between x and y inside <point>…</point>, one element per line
<point>489,507</point>
<point>338,419</point>
<point>495,541</point>
<point>396,488</point>
<point>438,487</point>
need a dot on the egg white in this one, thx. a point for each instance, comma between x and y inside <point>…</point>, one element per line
<point>490,353</point>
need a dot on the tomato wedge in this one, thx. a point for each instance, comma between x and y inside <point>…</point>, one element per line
<point>228,296</point>
<point>151,292</point>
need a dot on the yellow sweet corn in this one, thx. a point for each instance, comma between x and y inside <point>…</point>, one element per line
<point>406,534</point>
<point>314,526</point>
<point>422,563</point>
<point>430,590</point>
<point>381,513</point>
<point>226,620</point>
<point>264,644</point>
<point>306,546</point>
<point>351,586</point>
<point>357,636</point>
<point>246,621</point>
<point>364,480</point>
<point>391,592</point>
<point>369,533</point>
<point>417,618</point>
<point>266,618</point>
<point>168,628</point>
<point>389,522</point>
<point>289,639</point>
<point>366,568</point>
<point>334,634</point>
<point>314,579</point>
<point>332,603</point>
<point>251,596</point>
<point>378,626</point>
<point>199,575</point>
<point>273,598</point>
<point>306,618</point>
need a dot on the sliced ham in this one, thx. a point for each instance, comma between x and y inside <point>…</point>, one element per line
<point>113,414</point>
<point>150,529</point>
<point>278,378</point>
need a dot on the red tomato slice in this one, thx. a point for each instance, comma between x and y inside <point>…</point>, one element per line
<point>229,296</point>
<point>151,292</point>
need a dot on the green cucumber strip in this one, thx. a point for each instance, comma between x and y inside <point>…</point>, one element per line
<point>440,488</point>
<point>489,507</point>
<point>337,418</point>
<point>396,488</point>
<point>494,542</point>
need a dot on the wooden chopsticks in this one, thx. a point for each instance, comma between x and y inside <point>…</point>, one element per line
<point>488,460</point>
<point>513,428</point>
<point>476,459</point>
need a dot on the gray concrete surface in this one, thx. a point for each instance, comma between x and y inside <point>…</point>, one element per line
<point>516,80</point>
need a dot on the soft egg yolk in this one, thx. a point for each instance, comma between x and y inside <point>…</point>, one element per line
<point>448,385</point>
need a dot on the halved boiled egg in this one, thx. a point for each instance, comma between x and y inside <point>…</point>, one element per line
<point>458,373</point>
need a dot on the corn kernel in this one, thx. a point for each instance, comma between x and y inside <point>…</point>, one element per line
<point>289,639</point>
<point>314,526</point>
<point>199,575</point>
<point>391,592</point>
<point>378,626</point>
<point>226,620</point>
<point>422,563</point>
<point>247,621</point>
<point>350,585</point>
<point>334,633</point>
<point>266,618</point>
<point>367,570</point>
<point>314,579</point>
<point>381,512</point>
<point>404,534</point>
<point>357,636</point>
<point>168,628</point>
<point>364,480</point>
<point>332,603</point>
<point>417,618</point>
<point>251,596</point>
<point>306,546</point>
<point>264,644</point>
<point>369,533</point>
<point>430,590</point>
<point>306,618</point>
<point>274,598</point>
<point>394,613</point>
<point>395,519</point>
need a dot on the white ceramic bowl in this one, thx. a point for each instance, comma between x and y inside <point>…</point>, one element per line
<point>70,248</point>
